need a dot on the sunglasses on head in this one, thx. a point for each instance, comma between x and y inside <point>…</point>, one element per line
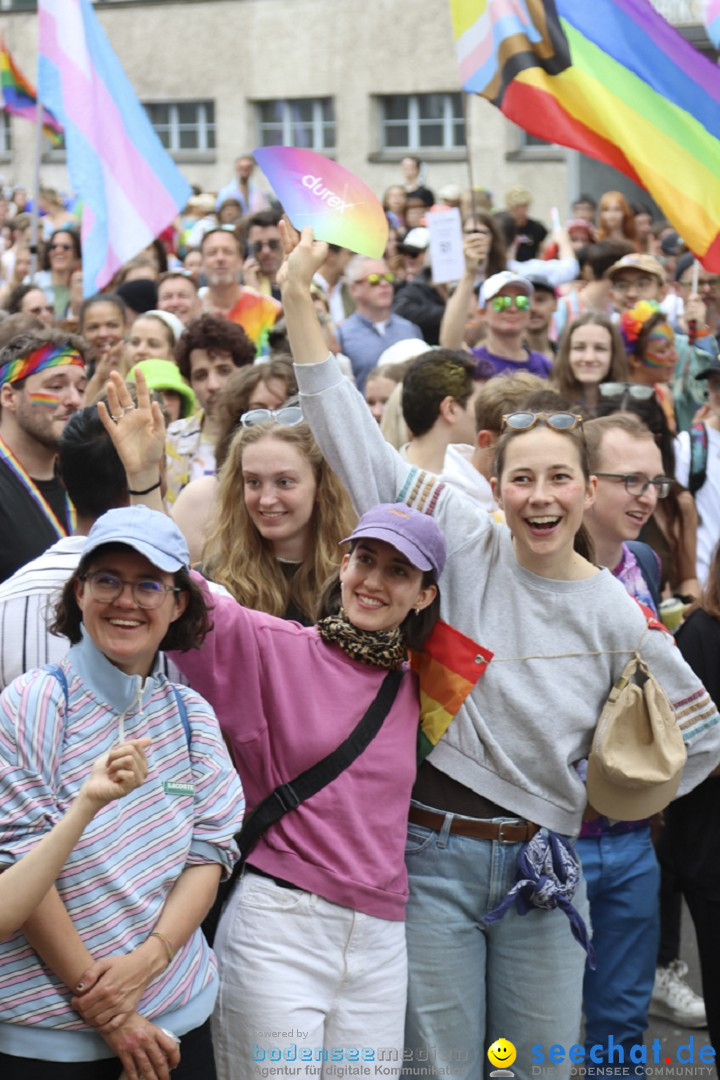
<point>635,390</point>
<point>502,303</point>
<point>558,421</point>
<point>289,415</point>
<point>375,279</point>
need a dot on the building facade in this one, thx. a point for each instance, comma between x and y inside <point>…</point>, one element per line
<point>363,81</point>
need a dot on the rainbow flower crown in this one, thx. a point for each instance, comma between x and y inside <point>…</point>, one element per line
<point>633,321</point>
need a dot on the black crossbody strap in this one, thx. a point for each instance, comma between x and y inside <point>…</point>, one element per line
<point>289,796</point>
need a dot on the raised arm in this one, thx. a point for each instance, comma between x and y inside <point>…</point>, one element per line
<point>303,257</point>
<point>23,885</point>
<point>457,309</point>
<point>138,435</point>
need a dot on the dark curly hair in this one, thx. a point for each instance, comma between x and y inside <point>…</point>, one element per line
<point>186,632</point>
<point>216,335</point>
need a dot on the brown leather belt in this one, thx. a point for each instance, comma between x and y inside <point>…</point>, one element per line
<point>505,832</point>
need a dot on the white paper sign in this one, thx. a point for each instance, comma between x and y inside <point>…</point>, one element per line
<point>446,245</point>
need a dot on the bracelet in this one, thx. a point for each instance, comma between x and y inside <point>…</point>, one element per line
<point>145,491</point>
<point>168,947</point>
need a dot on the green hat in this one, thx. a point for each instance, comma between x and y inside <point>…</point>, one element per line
<point>165,375</point>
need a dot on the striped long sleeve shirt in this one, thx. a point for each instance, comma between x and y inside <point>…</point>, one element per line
<point>116,880</point>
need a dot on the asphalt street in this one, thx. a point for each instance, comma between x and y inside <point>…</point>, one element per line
<point>671,1036</point>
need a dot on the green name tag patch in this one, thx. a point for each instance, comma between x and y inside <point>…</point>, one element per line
<point>178,789</point>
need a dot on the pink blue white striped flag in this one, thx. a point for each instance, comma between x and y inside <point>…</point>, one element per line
<point>129,186</point>
<point>712,21</point>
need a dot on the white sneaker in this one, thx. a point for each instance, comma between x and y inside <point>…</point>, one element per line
<point>673,999</point>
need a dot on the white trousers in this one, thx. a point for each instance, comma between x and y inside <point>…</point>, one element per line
<point>306,987</point>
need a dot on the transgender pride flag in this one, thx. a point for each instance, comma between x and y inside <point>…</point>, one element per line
<point>712,21</point>
<point>129,186</point>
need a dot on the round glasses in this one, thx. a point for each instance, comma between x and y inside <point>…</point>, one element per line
<point>289,416</point>
<point>147,593</point>
<point>635,390</point>
<point>637,483</point>
<point>524,421</point>
<point>502,303</point>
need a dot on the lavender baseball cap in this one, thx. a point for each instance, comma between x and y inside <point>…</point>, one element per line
<point>415,535</point>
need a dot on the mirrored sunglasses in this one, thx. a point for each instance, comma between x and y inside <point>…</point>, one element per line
<point>375,279</point>
<point>635,390</point>
<point>502,303</point>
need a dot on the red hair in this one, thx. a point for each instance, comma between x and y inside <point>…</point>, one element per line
<point>628,222</point>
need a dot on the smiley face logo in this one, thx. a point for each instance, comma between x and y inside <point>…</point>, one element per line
<point>502,1053</point>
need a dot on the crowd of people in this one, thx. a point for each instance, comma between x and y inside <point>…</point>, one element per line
<point>257,472</point>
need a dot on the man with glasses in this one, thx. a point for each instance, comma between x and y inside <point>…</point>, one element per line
<point>618,858</point>
<point>373,326</point>
<point>506,298</point>
<point>225,296</point>
<point>419,299</point>
<point>641,277</point>
<point>264,253</point>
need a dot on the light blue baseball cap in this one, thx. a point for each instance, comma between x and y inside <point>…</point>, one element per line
<point>152,534</point>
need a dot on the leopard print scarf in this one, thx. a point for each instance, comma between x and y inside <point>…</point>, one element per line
<point>381,648</point>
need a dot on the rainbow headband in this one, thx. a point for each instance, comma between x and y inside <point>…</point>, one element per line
<point>46,356</point>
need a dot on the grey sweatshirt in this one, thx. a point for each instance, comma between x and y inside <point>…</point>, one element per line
<point>558,646</point>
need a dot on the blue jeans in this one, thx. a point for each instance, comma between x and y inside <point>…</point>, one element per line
<point>623,880</point>
<point>470,984</point>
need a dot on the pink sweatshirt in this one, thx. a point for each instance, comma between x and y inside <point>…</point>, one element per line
<point>285,699</point>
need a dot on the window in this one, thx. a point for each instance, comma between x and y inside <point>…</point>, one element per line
<point>422,122</point>
<point>5,134</point>
<point>305,122</point>
<point>184,125</point>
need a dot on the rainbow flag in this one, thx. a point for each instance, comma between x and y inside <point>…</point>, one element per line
<point>610,78</point>
<point>19,97</point>
<point>129,185</point>
<point>448,668</point>
<point>711,19</point>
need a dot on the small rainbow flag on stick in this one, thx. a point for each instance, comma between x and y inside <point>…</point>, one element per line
<point>19,97</point>
<point>610,78</point>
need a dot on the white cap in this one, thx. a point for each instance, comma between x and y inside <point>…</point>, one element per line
<point>417,238</point>
<point>407,349</point>
<point>495,284</point>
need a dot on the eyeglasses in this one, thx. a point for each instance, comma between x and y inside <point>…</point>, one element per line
<point>558,421</point>
<point>148,593</point>
<point>375,279</point>
<point>289,416</point>
<point>502,303</point>
<point>272,245</point>
<point>637,484</point>
<point>60,247</point>
<point>643,282</point>
<point>635,390</point>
